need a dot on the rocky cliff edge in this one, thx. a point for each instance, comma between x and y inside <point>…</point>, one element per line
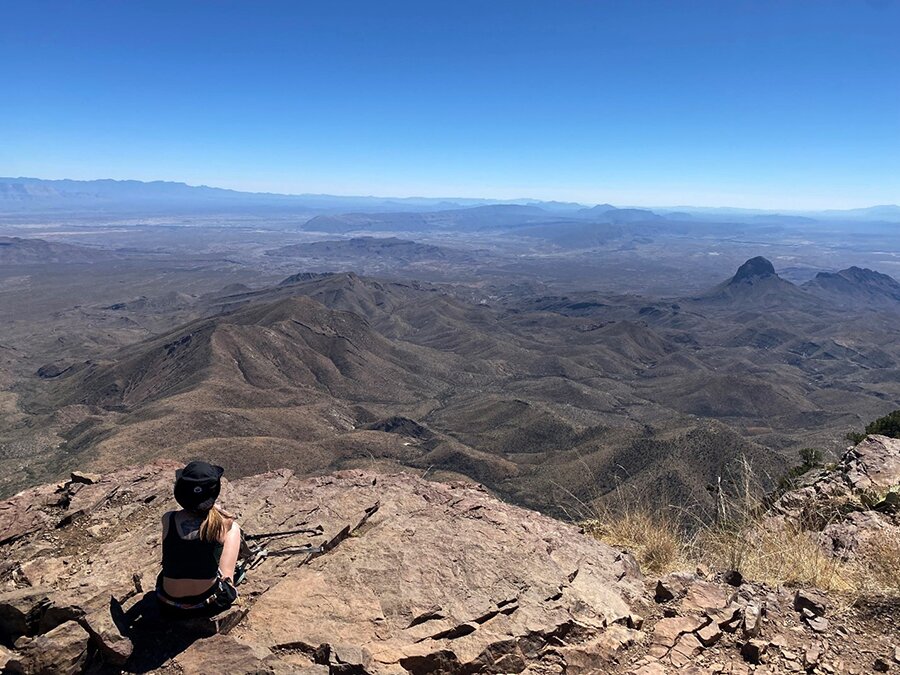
<point>414,577</point>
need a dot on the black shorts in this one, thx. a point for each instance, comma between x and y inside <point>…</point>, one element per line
<point>220,596</point>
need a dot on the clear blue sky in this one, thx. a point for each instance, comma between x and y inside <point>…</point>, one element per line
<point>781,103</point>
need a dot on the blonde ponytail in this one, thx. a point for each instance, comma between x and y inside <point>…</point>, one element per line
<point>214,526</point>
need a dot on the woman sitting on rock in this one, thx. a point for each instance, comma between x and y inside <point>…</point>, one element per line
<point>200,546</point>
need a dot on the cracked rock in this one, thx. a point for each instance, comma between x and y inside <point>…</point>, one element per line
<point>61,651</point>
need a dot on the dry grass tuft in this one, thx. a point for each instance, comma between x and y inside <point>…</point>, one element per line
<point>880,575</point>
<point>740,537</point>
<point>773,553</point>
<point>653,538</point>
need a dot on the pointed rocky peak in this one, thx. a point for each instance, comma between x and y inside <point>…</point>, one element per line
<point>757,284</point>
<point>757,267</point>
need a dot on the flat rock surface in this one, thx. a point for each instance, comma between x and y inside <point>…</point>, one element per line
<point>414,573</point>
<point>413,577</point>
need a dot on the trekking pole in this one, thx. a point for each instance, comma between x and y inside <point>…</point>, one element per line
<point>297,550</point>
<point>284,533</point>
<point>253,553</point>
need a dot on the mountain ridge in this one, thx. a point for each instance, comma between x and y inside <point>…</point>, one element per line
<point>23,190</point>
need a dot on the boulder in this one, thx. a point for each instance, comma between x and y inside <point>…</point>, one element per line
<point>104,621</point>
<point>873,464</point>
<point>84,477</point>
<point>29,611</point>
<point>60,651</point>
<point>27,512</point>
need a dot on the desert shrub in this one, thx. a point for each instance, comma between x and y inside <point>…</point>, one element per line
<point>810,458</point>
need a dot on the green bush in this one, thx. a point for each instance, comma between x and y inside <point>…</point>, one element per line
<point>889,425</point>
<point>812,458</point>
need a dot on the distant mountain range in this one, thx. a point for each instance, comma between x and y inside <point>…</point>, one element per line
<point>22,195</point>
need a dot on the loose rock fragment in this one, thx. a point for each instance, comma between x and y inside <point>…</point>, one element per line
<point>811,657</point>
<point>709,634</point>
<point>85,478</point>
<point>753,650</point>
<point>752,620</point>
<point>733,578</point>
<point>728,619</point>
<point>674,585</point>
<point>685,650</point>
<point>704,596</point>
<point>812,601</point>
<point>818,623</point>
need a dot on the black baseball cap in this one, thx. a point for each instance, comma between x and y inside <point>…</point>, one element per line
<point>197,486</point>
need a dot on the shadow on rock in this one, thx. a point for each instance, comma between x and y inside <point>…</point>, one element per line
<point>157,637</point>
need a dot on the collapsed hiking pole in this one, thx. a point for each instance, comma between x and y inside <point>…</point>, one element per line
<point>259,554</point>
<point>284,533</point>
<point>297,550</point>
<point>253,553</point>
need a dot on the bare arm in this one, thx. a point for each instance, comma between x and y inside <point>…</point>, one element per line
<point>231,549</point>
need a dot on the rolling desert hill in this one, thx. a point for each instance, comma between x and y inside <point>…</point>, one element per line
<point>22,251</point>
<point>473,218</point>
<point>550,401</point>
<point>404,249</point>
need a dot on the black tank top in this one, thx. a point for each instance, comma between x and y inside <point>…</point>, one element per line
<point>189,558</point>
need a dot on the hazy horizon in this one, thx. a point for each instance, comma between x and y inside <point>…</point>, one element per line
<point>482,198</point>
